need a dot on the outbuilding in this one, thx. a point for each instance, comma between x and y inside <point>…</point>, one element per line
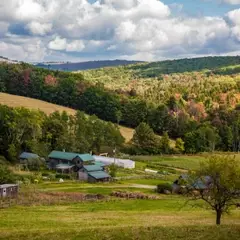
<point>8,190</point>
<point>26,156</point>
<point>99,176</point>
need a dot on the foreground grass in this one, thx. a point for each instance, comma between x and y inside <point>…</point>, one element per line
<point>120,219</point>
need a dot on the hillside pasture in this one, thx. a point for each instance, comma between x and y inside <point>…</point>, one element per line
<point>48,108</point>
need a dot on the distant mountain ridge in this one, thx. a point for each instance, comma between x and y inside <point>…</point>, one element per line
<point>79,66</point>
<point>5,59</point>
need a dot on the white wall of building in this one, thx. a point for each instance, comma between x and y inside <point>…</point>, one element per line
<point>125,163</point>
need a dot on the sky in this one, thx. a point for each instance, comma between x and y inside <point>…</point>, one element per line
<point>147,30</point>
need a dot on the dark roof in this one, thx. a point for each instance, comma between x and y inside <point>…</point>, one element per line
<point>99,175</point>
<point>27,155</point>
<point>200,183</point>
<point>70,156</point>
<point>92,168</point>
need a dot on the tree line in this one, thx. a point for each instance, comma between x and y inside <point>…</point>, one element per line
<point>33,131</point>
<point>184,119</point>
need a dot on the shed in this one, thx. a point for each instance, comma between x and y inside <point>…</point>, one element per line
<point>83,173</point>
<point>27,155</point>
<point>99,176</point>
<point>8,190</point>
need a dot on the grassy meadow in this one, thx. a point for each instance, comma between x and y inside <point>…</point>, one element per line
<point>168,217</point>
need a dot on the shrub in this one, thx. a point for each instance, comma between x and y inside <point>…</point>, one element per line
<point>161,188</point>
<point>6,176</point>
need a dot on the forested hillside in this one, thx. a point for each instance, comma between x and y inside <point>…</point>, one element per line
<point>192,100</point>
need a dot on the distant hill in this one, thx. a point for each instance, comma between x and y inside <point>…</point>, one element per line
<point>70,66</point>
<point>5,59</point>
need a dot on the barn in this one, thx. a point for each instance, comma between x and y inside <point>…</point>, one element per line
<point>8,190</point>
<point>58,159</point>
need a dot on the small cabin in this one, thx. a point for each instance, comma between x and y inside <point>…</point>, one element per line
<point>83,173</point>
<point>24,156</point>
<point>57,159</point>
<point>99,176</point>
<point>8,190</point>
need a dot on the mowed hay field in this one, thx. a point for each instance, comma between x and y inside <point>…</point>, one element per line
<point>166,219</point>
<point>48,108</point>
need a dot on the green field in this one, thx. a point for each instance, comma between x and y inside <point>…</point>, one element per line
<point>178,162</point>
<point>168,218</point>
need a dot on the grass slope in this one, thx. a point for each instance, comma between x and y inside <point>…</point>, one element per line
<point>120,219</point>
<point>48,108</point>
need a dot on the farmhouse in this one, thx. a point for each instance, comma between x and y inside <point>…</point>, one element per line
<point>26,156</point>
<point>67,160</point>
<point>8,190</point>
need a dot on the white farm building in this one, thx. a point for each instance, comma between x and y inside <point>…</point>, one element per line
<point>125,163</point>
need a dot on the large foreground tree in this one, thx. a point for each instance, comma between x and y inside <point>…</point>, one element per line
<point>217,182</point>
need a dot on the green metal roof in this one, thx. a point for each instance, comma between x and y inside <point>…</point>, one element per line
<point>70,156</point>
<point>93,168</point>
<point>86,157</point>
<point>99,175</point>
<point>62,155</point>
<point>100,163</point>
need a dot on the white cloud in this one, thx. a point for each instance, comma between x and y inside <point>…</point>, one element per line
<point>131,28</point>
<point>37,28</point>
<point>125,30</point>
<point>233,2</point>
<point>234,16</point>
<point>28,50</point>
<point>58,44</point>
<point>75,46</point>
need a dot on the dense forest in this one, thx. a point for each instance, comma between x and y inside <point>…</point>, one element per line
<point>25,130</point>
<point>194,101</point>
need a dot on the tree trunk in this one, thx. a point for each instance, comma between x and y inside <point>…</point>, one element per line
<point>218,217</point>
